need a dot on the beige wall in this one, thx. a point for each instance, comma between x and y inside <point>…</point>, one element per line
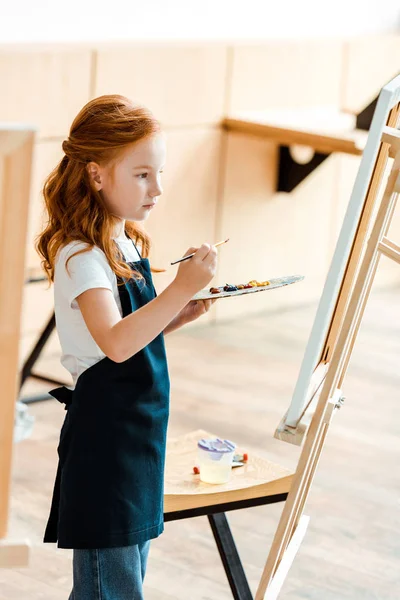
<point>216,184</point>
<point>286,74</point>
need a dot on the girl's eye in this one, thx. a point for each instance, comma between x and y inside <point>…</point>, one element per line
<point>143,175</point>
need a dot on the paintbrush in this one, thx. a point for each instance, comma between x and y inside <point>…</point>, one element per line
<point>190,255</point>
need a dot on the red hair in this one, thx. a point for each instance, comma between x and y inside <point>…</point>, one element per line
<point>101,131</point>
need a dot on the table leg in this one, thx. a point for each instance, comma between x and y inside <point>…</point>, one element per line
<point>230,557</point>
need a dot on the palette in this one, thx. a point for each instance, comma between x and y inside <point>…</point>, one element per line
<point>273,284</point>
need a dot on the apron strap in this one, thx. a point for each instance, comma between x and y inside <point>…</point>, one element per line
<point>123,255</point>
<point>63,395</point>
<point>140,256</point>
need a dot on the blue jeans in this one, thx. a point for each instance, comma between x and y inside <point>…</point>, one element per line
<point>110,573</point>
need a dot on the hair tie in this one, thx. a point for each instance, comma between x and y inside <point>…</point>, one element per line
<point>65,148</point>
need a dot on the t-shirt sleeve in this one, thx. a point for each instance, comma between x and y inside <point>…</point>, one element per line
<point>86,270</point>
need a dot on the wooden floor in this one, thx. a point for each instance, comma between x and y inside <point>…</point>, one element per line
<point>236,379</point>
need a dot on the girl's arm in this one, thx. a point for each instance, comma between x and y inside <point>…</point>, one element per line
<point>119,338</point>
<point>190,312</point>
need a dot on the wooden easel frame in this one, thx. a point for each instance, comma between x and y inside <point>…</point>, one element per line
<point>325,390</point>
<point>16,151</point>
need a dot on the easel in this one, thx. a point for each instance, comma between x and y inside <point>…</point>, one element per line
<point>16,149</point>
<point>324,389</point>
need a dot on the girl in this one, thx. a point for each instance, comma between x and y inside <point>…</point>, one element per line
<point>108,495</point>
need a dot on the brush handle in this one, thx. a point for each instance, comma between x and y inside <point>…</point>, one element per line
<point>190,255</point>
<point>184,258</point>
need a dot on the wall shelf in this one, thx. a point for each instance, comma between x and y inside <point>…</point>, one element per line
<point>323,130</point>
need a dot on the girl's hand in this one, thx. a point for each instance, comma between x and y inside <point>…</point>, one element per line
<point>197,272</point>
<point>195,309</point>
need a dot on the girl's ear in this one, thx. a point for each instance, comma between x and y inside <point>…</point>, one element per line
<point>94,174</point>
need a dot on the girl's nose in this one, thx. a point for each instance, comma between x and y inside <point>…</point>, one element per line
<point>156,190</point>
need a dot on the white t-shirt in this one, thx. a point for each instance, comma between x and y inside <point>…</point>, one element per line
<point>85,271</point>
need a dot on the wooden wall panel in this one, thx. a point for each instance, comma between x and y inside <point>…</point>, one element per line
<point>186,85</point>
<point>272,234</point>
<point>181,84</point>
<point>46,157</point>
<point>45,88</point>
<point>186,213</point>
<point>286,74</point>
<point>370,62</point>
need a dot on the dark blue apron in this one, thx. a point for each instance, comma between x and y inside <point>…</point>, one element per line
<point>109,488</point>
